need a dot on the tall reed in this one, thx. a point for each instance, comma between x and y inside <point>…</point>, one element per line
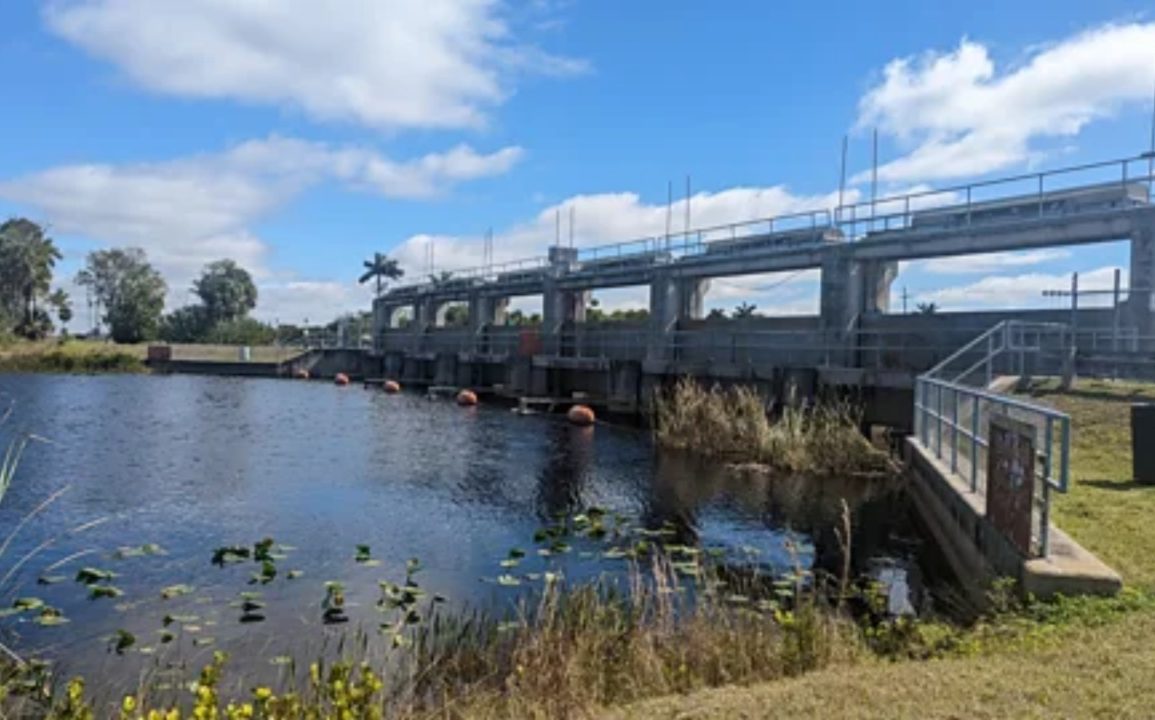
<point>733,424</point>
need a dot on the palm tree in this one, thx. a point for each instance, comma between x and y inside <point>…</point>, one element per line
<point>381,266</point>
<point>744,311</point>
<point>928,308</point>
<point>27,258</point>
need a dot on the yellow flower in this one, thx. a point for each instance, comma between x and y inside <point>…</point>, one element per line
<point>129,704</point>
<point>262,693</point>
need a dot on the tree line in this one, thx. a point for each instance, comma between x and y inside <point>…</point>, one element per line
<point>126,292</point>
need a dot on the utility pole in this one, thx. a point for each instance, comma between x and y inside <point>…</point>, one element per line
<point>669,210</point>
<point>842,174</point>
<point>688,208</point>
<point>1151,150</point>
<point>905,297</point>
<point>873,177</point>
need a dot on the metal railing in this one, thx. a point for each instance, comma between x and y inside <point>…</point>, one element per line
<point>1081,189</point>
<point>955,400</point>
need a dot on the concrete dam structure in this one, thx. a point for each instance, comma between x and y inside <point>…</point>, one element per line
<point>854,343</point>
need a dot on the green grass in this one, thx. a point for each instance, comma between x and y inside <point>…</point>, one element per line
<point>70,356</point>
<point>1105,510</point>
<point>88,356</point>
<point>1087,657</point>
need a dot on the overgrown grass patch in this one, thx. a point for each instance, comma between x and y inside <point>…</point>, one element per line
<point>70,356</point>
<point>733,424</point>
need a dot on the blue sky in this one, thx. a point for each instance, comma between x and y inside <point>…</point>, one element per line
<point>299,137</point>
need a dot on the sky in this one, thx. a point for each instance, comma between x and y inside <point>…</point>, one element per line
<point>300,137</point>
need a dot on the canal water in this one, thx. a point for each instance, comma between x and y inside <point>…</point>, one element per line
<point>188,464</point>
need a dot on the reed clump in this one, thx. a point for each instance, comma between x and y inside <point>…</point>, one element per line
<point>734,424</point>
<point>575,651</point>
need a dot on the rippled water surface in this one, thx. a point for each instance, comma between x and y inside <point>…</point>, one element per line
<point>192,463</point>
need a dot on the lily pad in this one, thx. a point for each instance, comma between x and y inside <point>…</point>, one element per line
<point>175,591</point>
<point>50,617</point>
<point>28,603</point>
<point>90,575</point>
<point>122,641</point>
<point>95,592</point>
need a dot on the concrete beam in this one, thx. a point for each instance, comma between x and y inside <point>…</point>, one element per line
<point>1025,235</point>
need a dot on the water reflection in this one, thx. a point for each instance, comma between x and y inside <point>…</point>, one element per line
<point>191,463</point>
<point>562,479</point>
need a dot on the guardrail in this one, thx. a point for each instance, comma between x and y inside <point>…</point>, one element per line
<point>989,202</point>
<point>1069,191</point>
<point>951,414</point>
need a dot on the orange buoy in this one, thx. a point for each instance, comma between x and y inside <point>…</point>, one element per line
<point>392,386</point>
<point>467,398</point>
<point>581,415</point>
<point>301,374</point>
<point>341,379</point>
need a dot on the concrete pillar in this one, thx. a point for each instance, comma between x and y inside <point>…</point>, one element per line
<point>672,300</point>
<point>381,314</point>
<point>1140,311</point>
<point>874,280</point>
<point>835,291</point>
<point>561,308</point>
<point>424,317</point>
<point>838,291</point>
<point>485,310</point>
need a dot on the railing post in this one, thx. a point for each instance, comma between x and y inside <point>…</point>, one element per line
<point>1065,454</point>
<point>924,406</point>
<point>990,359</point>
<point>975,409</point>
<point>1045,522</point>
<point>938,416</point>
<point>954,430</point>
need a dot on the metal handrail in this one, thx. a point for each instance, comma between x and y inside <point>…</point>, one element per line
<point>938,401</point>
<point>693,241</point>
<point>962,197</point>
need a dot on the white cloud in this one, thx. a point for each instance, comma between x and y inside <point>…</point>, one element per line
<point>960,115</point>
<point>190,211</point>
<point>1020,291</point>
<point>986,262</point>
<point>317,301</point>
<point>605,218</point>
<point>402,63</point>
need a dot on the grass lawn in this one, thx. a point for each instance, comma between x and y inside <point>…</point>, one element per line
<point>1105,510</point>
<point>1102,665</point>
<point>97,356</point>
<point>1101,672</point>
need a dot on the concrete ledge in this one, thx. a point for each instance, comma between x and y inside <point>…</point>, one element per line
<point>570,363</point>
<point>1070,569</point>
<point>978,553</point>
